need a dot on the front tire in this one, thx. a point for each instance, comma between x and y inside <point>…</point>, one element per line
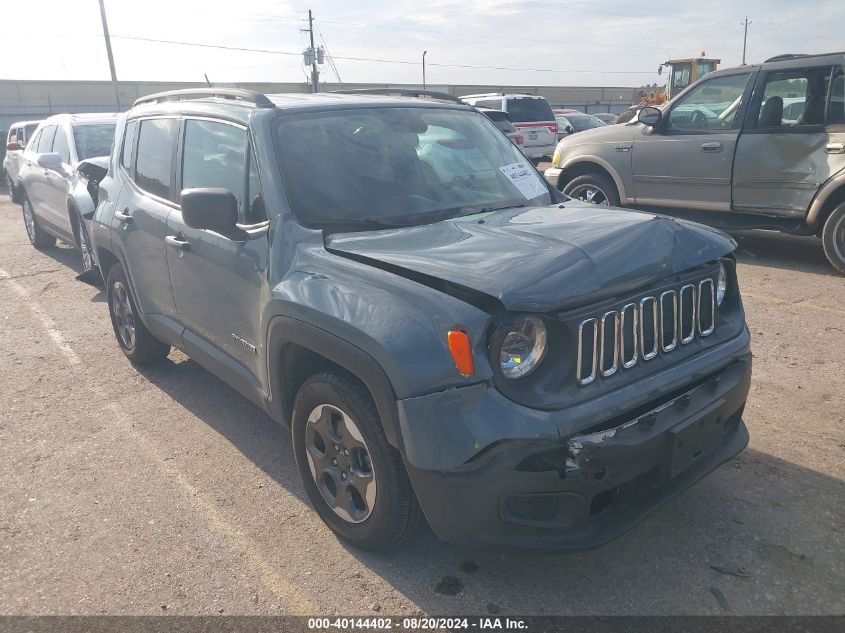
<point>37,237</point>
<point>833,238</point>
<point>135,340</point>
<point>355,480</point>
<point>593,188</point>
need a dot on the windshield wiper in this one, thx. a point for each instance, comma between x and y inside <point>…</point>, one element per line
<point>502,208</point>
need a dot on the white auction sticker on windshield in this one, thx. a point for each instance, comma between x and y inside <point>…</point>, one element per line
<point>524,179</point>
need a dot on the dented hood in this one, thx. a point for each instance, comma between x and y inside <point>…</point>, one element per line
<point>542,258</point>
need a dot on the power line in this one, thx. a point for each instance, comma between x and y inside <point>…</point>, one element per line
<point>383,61</point>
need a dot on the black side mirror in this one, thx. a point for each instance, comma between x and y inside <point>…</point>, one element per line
<point>210,208</point>
<point>650,116</point>
<point>569,129</point>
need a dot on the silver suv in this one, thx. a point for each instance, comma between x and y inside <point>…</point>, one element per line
<point>754,147</point>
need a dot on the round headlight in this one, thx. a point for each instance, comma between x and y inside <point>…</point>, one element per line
<point>722,284</point>
<point>523,347</point>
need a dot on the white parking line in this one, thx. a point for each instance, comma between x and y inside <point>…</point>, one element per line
<point>46,321</point>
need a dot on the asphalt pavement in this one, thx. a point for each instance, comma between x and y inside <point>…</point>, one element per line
<point>161,490</point>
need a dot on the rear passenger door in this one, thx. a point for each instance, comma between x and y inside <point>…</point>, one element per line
<point>34,177</point>
<point>143,206</point>
<point>792,142</point>
<point>218,280</point>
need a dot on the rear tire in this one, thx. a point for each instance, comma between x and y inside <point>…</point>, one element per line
<point>135,340</point>
<point>37,237</point>
<point>833,238</point>
<point>10,187</point>
<point>355,479</point>
<point>594,188</point>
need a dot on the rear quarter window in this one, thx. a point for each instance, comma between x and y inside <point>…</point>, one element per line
<point>527,110</point>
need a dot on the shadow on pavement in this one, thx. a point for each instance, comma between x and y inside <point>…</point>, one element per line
<point>779,250</point>
<point>750,538</point>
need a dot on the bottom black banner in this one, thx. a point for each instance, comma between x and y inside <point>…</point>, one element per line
<point>534,624</point>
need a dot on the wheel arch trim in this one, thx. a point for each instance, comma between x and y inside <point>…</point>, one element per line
<point>284,330</point>
<point>603,164</point>
<point>819,208</point>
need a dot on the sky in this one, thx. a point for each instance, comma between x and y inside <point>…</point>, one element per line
<point>518,42</point>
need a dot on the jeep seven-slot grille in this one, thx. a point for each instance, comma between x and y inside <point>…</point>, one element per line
<point>658,323</point>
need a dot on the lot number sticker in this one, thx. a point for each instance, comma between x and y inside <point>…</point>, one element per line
<point>524,179</point>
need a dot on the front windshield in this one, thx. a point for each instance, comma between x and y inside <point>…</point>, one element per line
<point>93,140</point>
<point>400,166</point>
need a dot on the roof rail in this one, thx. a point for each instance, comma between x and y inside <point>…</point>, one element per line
<point>236,94</point>
<point>780,58</point>
<point>401,92</point>
<point>784,57</point>
<point>483,94</point>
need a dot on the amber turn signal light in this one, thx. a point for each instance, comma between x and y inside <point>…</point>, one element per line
<point>461,352</point>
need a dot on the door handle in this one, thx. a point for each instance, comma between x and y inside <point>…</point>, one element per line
<point>835,148</point>
<point>177,242</point>
<point>712,146</point>
<point>124,217</point>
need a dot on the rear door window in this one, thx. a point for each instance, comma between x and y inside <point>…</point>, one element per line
<point>154,165</point>
<point>794,98</point>
<point>528,110</point>
<point>45,141</point>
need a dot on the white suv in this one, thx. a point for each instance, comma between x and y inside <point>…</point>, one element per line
<point>59,144</point>
<point>16,140</point>
<point>530,114</point>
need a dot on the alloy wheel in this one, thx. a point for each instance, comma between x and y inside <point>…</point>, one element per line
<point>124,319</point>
<point>589,193</point>
<point>340,463</point>
<point>29,220</point>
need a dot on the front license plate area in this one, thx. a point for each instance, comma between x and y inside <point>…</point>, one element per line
<point>696,437</point>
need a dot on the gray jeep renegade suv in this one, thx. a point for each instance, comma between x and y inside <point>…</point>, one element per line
<point>446,335</point>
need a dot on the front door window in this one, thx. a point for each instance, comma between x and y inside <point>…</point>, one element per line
<point>712,105</point>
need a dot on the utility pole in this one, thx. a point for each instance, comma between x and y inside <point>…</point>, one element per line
<point>111,57</point>
<point>315,74</point>
<point>745,38</point>
<point>424,52</point>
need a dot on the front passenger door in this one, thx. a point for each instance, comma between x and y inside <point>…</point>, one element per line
<point>686,161</point>
<point>218,280</point>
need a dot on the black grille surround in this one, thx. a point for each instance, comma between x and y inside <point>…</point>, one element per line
<point>553,385</point>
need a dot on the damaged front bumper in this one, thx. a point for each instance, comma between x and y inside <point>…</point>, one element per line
<point>581,490</point>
